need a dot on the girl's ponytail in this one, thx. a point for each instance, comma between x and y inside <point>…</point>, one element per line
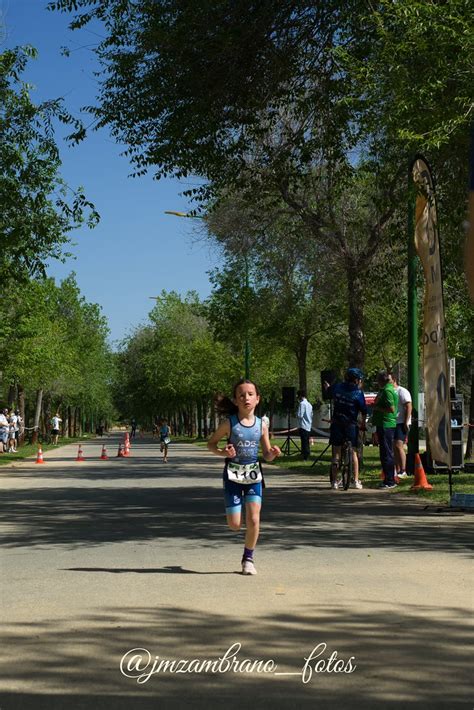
<point>225,406</point>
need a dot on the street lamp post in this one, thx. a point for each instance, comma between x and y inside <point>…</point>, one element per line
<point>247,341</point>
<point>247,286</point>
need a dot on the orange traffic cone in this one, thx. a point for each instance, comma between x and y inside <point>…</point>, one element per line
<point>120,453</point>
<point>420,482</point>
<point>126,447</point>
<point>80,455</point>
<point>39,458</point>
<point>103,455</point>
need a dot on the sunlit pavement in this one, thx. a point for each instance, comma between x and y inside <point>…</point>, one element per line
<point>102,557</point>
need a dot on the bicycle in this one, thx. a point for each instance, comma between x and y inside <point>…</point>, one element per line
<point>346,462</point>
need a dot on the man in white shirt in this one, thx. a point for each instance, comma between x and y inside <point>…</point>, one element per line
<point>304,415</point>
<point>405,407</point>
<point>4,429</point>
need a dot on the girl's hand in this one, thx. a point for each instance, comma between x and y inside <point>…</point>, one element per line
<point>273,453</point>
<point>229,451</point>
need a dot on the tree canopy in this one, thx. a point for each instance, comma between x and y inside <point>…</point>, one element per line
<point>38,210</point>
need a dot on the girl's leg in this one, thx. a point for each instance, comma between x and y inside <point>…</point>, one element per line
<point>252,524</point>
<point>252,529</point>
<point>234,521</point>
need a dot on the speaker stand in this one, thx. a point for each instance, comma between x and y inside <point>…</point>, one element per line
<point>285,449</point>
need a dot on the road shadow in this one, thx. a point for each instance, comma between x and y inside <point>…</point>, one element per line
<point>415,657</point>
<point>292,517</point>
<point>169,569</point>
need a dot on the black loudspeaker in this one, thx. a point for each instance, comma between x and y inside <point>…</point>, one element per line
<point>330,377</point>
<point>288,397</point>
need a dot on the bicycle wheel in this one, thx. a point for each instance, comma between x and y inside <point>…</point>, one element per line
<point>347,465</point>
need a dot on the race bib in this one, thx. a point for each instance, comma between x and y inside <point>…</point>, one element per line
<point>244,474</point>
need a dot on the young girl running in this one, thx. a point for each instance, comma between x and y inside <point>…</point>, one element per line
<point>165,434</point>
<point>243,478</point>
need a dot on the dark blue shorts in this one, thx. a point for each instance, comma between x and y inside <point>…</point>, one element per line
<point>234,493</point>
<point>339,432</point>
<point>399,433</point>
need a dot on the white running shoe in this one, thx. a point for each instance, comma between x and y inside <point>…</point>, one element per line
<point>402,474</point>
<point>248,567</point>
<point>356,484</point>
<point>334,485</point>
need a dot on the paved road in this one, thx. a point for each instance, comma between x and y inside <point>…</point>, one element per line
<point>102,557</point>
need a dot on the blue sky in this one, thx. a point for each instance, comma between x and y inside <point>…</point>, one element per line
<point>137,250</point>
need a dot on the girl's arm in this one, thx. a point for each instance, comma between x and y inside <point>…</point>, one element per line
<point>269,452</point>
<point>223,431</point>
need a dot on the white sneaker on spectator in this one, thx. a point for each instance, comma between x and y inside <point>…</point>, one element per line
<point>356,484</point>
<point>334,485</point>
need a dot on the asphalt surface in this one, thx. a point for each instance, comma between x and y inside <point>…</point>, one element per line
<point>363,599</point>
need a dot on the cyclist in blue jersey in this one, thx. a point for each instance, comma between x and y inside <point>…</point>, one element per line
<point>349,402</point>
<point>243,480</point>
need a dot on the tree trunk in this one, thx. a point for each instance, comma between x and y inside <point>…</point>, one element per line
<point>47,414</point>
<point>470,431</point>
<point>12,392</point>
<point>21,407</point>
<point>355,297</point>
<point>205,418</point>
<point>301,357</point>
<point>36,422</point>
<point>65,423</point>
<point>213,419</point>
<point>199,418</point>
<point>69,422</point>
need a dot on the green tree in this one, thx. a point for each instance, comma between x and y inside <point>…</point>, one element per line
<point>38,210</point>
<point>54,349</point>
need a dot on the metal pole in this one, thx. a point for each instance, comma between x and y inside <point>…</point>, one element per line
<point>247,344</point>
<point>412,326</point>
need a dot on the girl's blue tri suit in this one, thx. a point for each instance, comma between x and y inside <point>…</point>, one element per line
<point>243,477</point>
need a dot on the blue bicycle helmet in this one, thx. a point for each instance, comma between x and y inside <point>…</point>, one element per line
<point>353,373</point>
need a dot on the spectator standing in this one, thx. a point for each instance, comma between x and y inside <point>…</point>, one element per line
<point>133,425</point>
<point>55,424</point>
<point>404,412</point>
<point>19,428</point>
<point>304,415</point>
<point>13,428</point>
<point>385,420</point>
<point>266,421</point>
<point>4,429</point>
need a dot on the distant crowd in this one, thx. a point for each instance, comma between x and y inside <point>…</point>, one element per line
<point>11,428</point>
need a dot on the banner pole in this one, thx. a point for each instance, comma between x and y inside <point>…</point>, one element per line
<point>412,328</point>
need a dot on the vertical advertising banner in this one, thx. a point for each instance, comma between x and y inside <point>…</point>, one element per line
<point>435,356</point>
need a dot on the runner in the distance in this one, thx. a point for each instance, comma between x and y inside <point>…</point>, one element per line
<point>165,438</point>
<point>243,480</point>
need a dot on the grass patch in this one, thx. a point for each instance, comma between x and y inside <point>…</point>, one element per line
<point>370,473</point>
<point>32,449</point>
